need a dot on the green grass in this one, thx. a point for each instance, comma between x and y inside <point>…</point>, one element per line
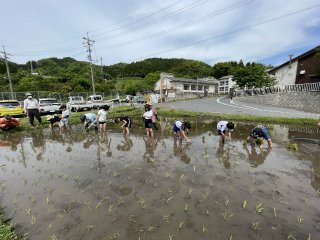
<point>136,112</point>
<point>6,230</point>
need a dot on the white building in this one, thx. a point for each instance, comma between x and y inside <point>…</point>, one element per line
<point>187,88</point>
<point>225,83</point>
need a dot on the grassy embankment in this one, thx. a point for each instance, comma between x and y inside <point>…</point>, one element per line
<point>136,112</point>
<point>6,230</point>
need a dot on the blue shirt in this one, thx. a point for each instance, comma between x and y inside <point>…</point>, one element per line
<point>90,117</point>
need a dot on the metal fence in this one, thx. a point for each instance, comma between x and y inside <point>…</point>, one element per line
<point>307,87</point>
<point>62,97</point>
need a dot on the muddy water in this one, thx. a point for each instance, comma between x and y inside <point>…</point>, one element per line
<point>79,185</point>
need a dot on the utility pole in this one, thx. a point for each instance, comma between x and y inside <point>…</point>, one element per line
<point>8,71</point>
<point>88,42</point>
<point>31,67</point>
<point>101,67</point>
<point>290,58</point>
<point>161,88</point>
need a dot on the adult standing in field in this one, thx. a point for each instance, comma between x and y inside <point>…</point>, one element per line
<point>31,108</point>
<point>64,122</point>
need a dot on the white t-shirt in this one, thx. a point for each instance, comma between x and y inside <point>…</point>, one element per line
<point>148,114</point>
<point>102,115</point>
<point>178,124</point>
<point>222,126</point>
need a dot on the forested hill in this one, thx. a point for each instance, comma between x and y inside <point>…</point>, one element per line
<point>70,75</point>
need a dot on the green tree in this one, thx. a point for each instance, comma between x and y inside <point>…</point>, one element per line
<point>253,76</point>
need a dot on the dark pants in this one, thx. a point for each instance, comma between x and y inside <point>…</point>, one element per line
<point>34,113</point>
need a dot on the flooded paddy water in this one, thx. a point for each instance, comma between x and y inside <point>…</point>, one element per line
<point>86,185</point>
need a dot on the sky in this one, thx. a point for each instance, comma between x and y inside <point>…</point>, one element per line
<point>132,30</point>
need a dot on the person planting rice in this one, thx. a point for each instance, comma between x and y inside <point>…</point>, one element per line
<point>181,129</point>
<point>54,120</point>
<point>8,123</point>
<point>224,129</point>
<point>89,120</point>
<point>258,134</point>
<point>127,123</point>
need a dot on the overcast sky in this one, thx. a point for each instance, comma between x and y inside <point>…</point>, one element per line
<point>132,30</point>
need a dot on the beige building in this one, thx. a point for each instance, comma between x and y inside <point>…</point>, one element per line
<point>182,88</point>
<point>225,83</point>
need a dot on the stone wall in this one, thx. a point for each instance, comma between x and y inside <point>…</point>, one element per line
<point>305,101</point>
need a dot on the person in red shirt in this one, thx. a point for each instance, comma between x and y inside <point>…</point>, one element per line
<point>7,123</point>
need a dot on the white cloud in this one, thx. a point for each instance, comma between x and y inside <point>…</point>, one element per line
<point>59,26</point>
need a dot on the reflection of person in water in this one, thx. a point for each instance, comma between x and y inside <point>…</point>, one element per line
<point>11,141</point>
<point>38,143</point>
<point>223,153</point>
<point>126,144</point>
<point>256,159</point>
<point>180,151</point>
<point>151,145</point>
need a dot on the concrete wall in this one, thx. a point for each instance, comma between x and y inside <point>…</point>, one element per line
<point>304,101</point>
<point>286,75</point>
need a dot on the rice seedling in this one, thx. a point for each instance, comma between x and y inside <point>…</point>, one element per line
<point>170,237</point>
<point>275,212</point>
<point>194,168</point>
<point>255,226</point>
<point>309,236</point>
<point>186,207</point>
<point>205,196</point>
<point>132,219</point>
<point>168,200</point>
<point>170,190</point>
<point>226,216</point>
<point>181,177</point>
<point>114,236</point>
<point>190,191</point>
<point>166,217</point>
<point>90,227</point>
<point>151,229</point>
<point>110,209</point>
<point>50,226</point>
<point>300,220</point>
<point>53,237</point>
<point>231,237</point>
<point>33,220</point>
<point>204,229</point>
<point>293,146</point>
<point>291,236</point>
<point>244,204</point>
<point>180,226</point>
<point>167,175</point>
<point>226,201</point>
<point>259,208</point>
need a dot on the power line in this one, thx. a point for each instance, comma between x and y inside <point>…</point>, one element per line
<point>187,24</point>
<point>75,47</point>
<point>228,33</point>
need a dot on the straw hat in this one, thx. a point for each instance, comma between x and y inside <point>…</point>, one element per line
<point>149,103</point>
<point>49,117</point>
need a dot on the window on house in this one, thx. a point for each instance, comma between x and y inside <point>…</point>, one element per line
<point>221,89</point>
<point>186,86</point>
<point>206,88</point>
<point>200,87</point>
<point>193,87</point>
<point>221,83</point>
<point>227,83</point>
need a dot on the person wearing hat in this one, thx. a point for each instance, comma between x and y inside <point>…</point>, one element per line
<point>54,120</point>
<point>262,133</point>
<point>154,116</point>
<point>31,108</point>
<point>8,123</point>
<point>224,129</point>
<point>181,128</point>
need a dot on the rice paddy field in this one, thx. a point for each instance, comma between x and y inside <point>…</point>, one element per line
<point>87,185</point>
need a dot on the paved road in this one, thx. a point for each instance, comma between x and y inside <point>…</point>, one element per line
<point>223,105</point>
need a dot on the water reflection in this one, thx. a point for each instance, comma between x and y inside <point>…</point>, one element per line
<point>126,144</point>
<point>150,145</point>
<point>254,157</point>
<point>223,154</point>
<point>180,150</point>
<point>38,143</point>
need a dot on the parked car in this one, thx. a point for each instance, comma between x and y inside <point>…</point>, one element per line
<point>49,105</point>
<point>138,99</point>
<point>77,104</point>
<point>96,101</point>
<point>10,107</point>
